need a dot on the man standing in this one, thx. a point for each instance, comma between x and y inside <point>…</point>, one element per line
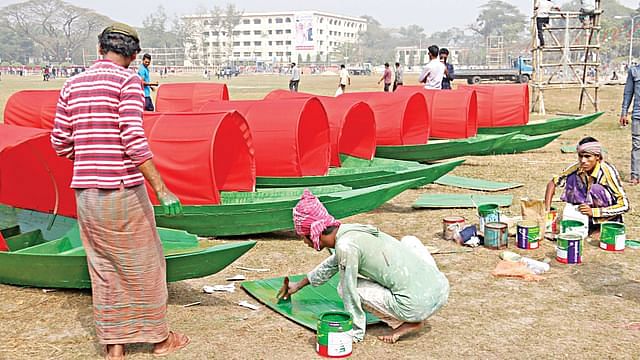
<point>386,77</point>
<point>345,79</point>
<point>632,91</point>
<point>397,81</point>
<point>295,78</point>
<point>449,73</point>
<point>542,9</point>
<point>98,125</point>
<point>433,72</point>
<point>398,281</point>
<point>143,72</point>
<point>587,12</point>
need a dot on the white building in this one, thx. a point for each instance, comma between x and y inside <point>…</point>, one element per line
<point>274,37</point>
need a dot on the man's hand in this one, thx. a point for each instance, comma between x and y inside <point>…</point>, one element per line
<point>170,203</point>
<point>289,288</point>
<point>585,210</point>
<point>623,120</point>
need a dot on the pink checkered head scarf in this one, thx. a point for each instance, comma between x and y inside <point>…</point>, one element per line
<point>311,218</point>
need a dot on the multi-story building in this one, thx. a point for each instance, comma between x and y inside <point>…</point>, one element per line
<point>273,37</point>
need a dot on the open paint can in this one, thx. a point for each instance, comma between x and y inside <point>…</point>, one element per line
<point>451,225</point>
<point>334,334</point>
<point>612,236</point>
<point>488,213</point>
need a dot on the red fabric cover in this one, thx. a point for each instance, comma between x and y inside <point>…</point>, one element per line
<point>401,118</point>
<point>501,104</point>
<point>32,176</point>
<point>449,111</point>
<point>352,126</point>
<point>200,154</point>
<point>290,136</point>
<point>32,108</point>
<point>3,244</point>
<point>189,97</point>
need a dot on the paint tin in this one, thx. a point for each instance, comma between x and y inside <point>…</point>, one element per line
<point>451,225</point>
<point>612,236</point>
<point>496,235</point>
<point>574,227</point>
<point>334,334</point>
<point>528,235</point>
<point>569,249</point>
<point>488,213</point>
<point>551,223</point>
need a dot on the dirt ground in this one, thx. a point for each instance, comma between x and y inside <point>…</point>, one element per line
<point>575,312</point>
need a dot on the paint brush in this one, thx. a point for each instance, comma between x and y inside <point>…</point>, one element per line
<point>283,293</point>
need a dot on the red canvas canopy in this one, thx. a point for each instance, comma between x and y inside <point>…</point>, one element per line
<point>32,108</point>
<point>501,104</point>
<point>189,97</point>
<point>32,176</point>
<point>454,113</point>
<point>290,136</point>
<point>401,118</point>
<point>200,154</point>
<point>352,125</point>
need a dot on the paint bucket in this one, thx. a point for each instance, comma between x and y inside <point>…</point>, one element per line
<point>551,224</point>
<point>334,334</point>
<point>612,236</point>
<point>496,235</point>
<point>451,225</point>
<point>574,227</point>
<point>488,213</point>
<point>569,249</point>
<point>528,235</point>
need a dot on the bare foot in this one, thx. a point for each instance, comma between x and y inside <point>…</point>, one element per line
<point>401,331</point>
<point>595,235</point>
<point>174,342</point>
<point>634,182</point>
<point>115,352</point>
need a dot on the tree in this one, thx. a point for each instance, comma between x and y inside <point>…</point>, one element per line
<point>231,19</point>
<point>376,43</point>
<point>155,32</point>
<point>14,48</point>
<point>58,28</point>
<point>500,18</point>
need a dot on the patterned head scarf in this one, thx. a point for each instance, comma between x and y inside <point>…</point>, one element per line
<point>311,218</point>
<point>593,147</point>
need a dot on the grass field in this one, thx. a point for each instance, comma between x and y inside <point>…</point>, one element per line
<point>575,312</point>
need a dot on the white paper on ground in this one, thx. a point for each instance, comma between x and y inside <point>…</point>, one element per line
<point>225,288</point>
<point>248,305</point>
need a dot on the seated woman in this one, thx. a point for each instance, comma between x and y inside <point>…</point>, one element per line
<point>398,281</point>
<point>593,184</point>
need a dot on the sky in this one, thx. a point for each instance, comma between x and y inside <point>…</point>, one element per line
<point>432,15</point>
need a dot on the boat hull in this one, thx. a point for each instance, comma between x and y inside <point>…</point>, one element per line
<point>544,127</point>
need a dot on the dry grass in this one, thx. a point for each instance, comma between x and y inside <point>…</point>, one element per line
<point>576,312</point>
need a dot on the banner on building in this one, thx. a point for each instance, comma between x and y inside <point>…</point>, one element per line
<point>304,31</point>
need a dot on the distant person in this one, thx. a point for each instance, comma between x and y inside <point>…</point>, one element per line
<point>399,75</point>
<point>295,78</point>
<point>632,92</point>
<point>386,77</point>
<point>345,79</point>
<point>449,73</point>
<point>587,12</point>
<point>45,74</point>
<point>542,9</point>
<point>143,72</point>
<point>614,76</point>
<point>433,72</point>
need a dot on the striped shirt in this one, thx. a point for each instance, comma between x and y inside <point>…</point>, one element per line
<point>98,124</point>
<point>607,176</point>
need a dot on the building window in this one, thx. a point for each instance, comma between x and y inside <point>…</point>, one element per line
<point>321,42</point>
<point>235,33</point>
<point>246,21</point>
<point>321,31</point>
<point>236,54</point>
<point>236,43</point>
<point>288,42</point>
<point>247,43</point>
<point>279,42</point>
<point>246,32</point>
<point>257,32</point>
<point>270,53</point>
<point>257,43</point>
<point>270,42</point>
<point>270,32</point>
<point>257,53</point>
<point>330,22</point>
<point>215,33</point>
<point>206,22</point>
<point>321,20</point>
<point>215,43</point>
<point>270,21</point>
<point>287,20</point>
<point>288,53</point>
<point>279,53</point>
<point>257,21</point>
<point>278,32</point>
<point>278,20</point>
<point>246,54</point>
<point>288,31</point>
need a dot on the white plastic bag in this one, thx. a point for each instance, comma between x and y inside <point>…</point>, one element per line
<point>571,212</point>
<point>339,91</point>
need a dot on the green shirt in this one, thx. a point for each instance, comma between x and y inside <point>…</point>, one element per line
<point>418,288</point>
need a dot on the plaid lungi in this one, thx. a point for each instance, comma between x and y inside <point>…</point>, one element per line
<point>126,265</point>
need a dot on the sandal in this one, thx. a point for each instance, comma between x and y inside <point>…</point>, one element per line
<point>175,342</point>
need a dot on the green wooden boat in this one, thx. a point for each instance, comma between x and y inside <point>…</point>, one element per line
<point>359,173</point>
<point>544,127</point>
<point>62,263</point>
<point>445,149</point>
<point>254,213</point>
<point>521,143</point>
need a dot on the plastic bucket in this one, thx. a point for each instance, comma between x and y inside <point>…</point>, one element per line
<point>496,235</point>
<point>551,224</point>
<point>569,249</point>
<point>574,227</point>
<point>528,235</point>
<point>334,334</point>
<point>612,236</point>
<point>450,225</point>
<point>488,213</point>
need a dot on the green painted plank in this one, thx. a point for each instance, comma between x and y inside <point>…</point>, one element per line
<point>521,143</point>
<point>475,184</point>
<point>306,305</point>
<point>544,127</point>
<point>445,201</point>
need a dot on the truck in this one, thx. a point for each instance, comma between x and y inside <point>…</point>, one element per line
<point>520,72</point>
<point>361,69</point>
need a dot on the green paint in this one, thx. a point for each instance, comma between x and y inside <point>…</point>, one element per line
<point>306,305</point>
<point>522,143</point>
<point>475,184</point>
<point>571,226</point>
<point>544,127</point>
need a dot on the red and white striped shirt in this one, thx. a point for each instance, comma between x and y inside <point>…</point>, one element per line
<point>98,124</point>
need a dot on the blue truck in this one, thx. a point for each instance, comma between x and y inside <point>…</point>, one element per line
<point>520,72</point>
